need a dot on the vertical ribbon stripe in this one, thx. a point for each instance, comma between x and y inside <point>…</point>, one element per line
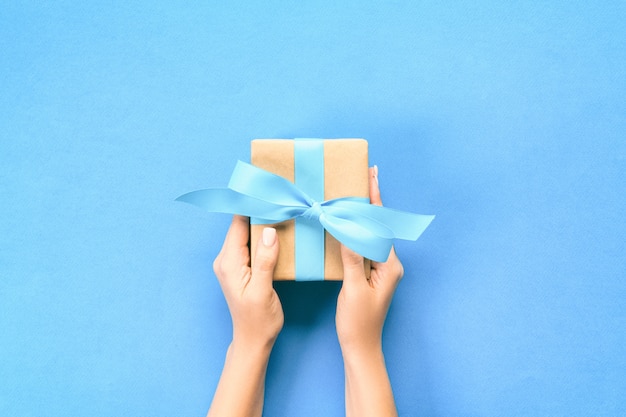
<point>309,233</point>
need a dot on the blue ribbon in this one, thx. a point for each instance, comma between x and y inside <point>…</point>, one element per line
<point>267,198</point>
<point>310,239</point>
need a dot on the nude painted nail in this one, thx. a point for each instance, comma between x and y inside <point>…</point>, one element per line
<point>376,173</point>
<point>269,236</point>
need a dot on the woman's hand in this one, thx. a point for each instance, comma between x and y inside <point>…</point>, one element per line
<point>361,311</point>
<point>363,303</point>
<point>257,317</point>
<point>254,305</point>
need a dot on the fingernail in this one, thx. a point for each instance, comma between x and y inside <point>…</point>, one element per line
<point>376,173</point>
<point>269,236</point>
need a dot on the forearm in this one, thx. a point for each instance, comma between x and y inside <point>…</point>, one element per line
<point>241,388</point>
<point>368,389</point>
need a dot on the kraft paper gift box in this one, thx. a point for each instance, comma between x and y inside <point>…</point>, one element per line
<point>343,171</point>
<point>319,183</point>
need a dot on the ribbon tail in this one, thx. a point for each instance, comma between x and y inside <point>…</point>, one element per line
<point>358,238</point>
<point>408,226</point>
<point>404,225</point>
<point>224,200</point>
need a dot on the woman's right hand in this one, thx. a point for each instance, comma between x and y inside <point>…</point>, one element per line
<point>363,303</point>
<point>361,311</point>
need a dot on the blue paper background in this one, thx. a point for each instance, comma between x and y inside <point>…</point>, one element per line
<point>506,119</point>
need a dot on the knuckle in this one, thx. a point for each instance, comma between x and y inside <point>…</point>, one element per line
<point>226,262</point>
<point>218,267</point>
<point>398,268</point>
<point>400,271</point>
<point>264,263</point>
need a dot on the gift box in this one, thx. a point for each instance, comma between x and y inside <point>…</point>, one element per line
<point>304,188</point>
<point>325,169</point>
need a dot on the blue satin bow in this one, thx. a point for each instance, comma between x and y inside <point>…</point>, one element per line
<point>267,198</point>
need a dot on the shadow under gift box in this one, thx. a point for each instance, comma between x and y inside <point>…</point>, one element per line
<point>345,175</point>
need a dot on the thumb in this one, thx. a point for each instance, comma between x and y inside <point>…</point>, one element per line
<point>374,189</point>
<point>353,269</point>
<point>265,257</point>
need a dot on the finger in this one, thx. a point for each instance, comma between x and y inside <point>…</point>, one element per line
<point>374,189</point>
<point>238,234</point>
<point>234,254</point>
<point>353,269</point>
<point>391,270</point>
<point>265,258</point>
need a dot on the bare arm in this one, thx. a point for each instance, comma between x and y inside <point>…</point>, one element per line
<point>257,317</point>
<point>361,311</point>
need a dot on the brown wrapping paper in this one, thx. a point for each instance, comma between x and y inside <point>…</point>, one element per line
<point>345,175</point>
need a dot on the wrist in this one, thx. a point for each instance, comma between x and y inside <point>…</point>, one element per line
<point>252,348</point>
<point>364,344</point>
<point>362,353</point>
